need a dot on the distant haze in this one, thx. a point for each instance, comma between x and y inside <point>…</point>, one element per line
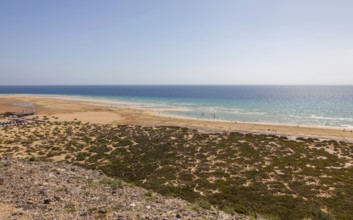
<point>176,42</point>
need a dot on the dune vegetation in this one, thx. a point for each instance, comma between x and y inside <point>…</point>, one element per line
<point>245,173</point>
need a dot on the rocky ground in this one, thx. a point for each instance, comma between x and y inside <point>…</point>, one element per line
<point>47,190</point>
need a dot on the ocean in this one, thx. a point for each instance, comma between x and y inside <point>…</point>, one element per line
<point>299,105</point>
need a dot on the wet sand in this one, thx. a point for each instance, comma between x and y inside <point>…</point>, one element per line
<point>62,108</point>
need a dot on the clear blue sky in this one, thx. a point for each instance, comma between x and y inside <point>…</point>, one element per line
<point>176,42</point>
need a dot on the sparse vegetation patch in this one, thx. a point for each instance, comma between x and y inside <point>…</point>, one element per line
<point>244,173</point>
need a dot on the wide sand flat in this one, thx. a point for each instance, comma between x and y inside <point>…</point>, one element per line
<point>61,108</point>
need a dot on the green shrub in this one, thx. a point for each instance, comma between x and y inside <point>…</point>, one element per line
<point>318,214</point>
<point>204,204</point>
<point>110,182</point>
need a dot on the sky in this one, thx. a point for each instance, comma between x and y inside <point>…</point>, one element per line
<point>47,42</point>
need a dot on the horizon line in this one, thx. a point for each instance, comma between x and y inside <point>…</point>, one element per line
<point>177,85</point>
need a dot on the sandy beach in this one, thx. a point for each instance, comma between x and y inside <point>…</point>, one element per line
<point>62,108</point>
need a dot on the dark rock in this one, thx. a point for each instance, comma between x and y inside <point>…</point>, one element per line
<point>178,216</point>
<point>19,212</point>
<point>47,201</point>
<point>42,193</point>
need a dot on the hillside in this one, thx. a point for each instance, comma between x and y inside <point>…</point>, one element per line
<point>47,190</point>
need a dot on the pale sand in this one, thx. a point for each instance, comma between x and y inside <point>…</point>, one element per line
<point>6,210</point>
<point>101,111</point>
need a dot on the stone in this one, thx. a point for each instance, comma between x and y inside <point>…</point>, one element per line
<point>83,213</point>
<point>18,212</point>
<point>47,201</point>
<point>42,206</point>
<point>102,211</point>
<point>42,193</point>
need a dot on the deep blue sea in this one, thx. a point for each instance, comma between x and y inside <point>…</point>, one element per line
<point>305,105</point>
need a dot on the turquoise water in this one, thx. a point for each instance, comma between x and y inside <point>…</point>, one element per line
<point>282,112</point>
<point>305,105</point>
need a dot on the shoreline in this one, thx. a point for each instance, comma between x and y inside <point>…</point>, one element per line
<point>163,112</point>
<point>116,112</point>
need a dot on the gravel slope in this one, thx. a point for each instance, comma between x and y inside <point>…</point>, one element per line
<point>46,190</point>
